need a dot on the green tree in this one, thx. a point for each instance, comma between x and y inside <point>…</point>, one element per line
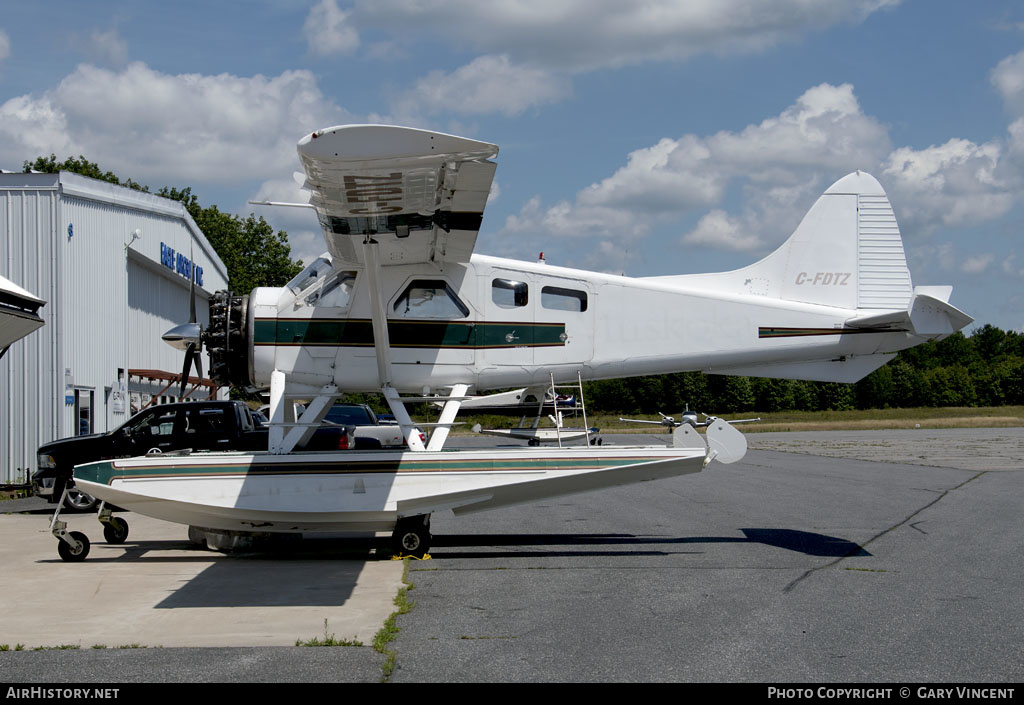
<point>772,394</point>
<point>876,391</point>
<point>79,165</point>
<point>736,395</point>
<point>691,392</point>
<point>956,349</point>
<point>949,386</point>
<point>835,396</point>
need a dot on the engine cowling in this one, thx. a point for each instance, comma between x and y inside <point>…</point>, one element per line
<point>228,340</point>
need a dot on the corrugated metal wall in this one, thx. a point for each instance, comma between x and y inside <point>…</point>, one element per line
<point>28,403</point>
<point>107,305</point>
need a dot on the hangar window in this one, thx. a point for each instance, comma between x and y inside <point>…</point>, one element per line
<point>429,298</point>
<point>509,294</point>
<point>560,299</point>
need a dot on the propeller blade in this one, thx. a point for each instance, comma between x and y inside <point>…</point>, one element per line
<point>191,287</point>
<point>188,368</point>
<point>199,363</point>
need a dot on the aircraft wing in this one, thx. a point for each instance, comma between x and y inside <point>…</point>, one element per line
<point>419,194</point>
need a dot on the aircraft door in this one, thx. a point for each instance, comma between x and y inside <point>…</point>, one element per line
<point>506,336</point>
<point>430,324</point>
<point>564,315</point>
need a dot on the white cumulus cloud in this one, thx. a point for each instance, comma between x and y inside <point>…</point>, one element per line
<point>1008,78</point>
<point>107,48</point>
<point>488,84</point>
<point>328,30</point>
<point>781,164</point>
<point>977,264</point>
<point>716,229</point>
<point>953,184</point>
<point>149,125</point>
<point>587,34</point>
<point>531,48</point>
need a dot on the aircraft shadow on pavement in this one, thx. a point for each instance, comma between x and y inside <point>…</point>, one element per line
<point>306,573</point>
<point>806,542</point>
<point>246,583</point>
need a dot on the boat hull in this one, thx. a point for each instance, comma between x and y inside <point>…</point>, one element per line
<point>356,491</point>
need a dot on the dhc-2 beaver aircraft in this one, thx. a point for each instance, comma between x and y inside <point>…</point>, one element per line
<point>401,304</point>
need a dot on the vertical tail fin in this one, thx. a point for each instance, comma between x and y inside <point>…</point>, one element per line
<point>847,252</point>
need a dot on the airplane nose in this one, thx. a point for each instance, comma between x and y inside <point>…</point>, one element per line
<point>181,336</point>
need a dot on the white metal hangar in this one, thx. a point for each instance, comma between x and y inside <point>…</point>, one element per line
<point>113,266</point>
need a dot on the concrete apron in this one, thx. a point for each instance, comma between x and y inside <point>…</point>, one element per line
<point>157,589</point>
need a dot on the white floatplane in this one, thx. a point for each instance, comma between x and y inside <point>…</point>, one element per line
<point>400,304</point>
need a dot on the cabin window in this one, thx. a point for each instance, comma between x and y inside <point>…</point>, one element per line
<point>560,299</point>
<point>509,294</point>
<point>429,298</point>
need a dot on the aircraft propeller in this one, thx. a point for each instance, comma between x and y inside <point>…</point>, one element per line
<point>188,337</point>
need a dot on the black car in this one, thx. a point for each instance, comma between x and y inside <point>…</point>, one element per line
<point>209,425</point>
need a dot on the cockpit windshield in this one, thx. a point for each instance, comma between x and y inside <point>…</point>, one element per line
<point>312,274</point>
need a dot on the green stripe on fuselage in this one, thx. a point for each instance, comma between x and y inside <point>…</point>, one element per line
<point>358,332</point>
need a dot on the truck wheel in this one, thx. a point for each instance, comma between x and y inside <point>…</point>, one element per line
<point>74,554</point>
<point>80,502</point>
<point>116,531</point>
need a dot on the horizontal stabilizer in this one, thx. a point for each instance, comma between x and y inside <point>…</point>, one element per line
<point>929,315</point>
<point>849,369</point>
<point>933,317</point>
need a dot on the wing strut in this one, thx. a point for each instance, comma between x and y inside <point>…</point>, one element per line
<point>382,343</point>
<point>287,432</point>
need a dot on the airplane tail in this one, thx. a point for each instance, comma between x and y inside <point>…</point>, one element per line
<point>847,253</point>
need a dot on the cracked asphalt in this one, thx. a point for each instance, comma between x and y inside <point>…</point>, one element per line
<point>898,562</point>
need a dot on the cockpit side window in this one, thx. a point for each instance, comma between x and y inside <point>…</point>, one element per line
<point>509,294</point>
<point>429,298</point>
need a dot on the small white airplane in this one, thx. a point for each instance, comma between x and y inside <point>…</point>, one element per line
<point>531,405</point>
<point>401,304</point>
<point>688,417</point>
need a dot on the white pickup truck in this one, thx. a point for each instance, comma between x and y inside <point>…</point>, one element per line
<point>369,431</point>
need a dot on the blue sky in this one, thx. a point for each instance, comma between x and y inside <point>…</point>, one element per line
<point>648,137</point>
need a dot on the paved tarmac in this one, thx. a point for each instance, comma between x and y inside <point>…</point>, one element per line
<point>159,590</point>
<point>784,567</point>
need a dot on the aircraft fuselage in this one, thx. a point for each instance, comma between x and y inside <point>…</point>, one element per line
<point>494,323</point>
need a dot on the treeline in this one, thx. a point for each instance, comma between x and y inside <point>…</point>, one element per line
<point>983,369</point>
